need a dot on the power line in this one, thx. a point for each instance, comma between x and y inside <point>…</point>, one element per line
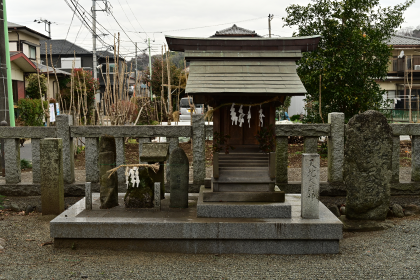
<point>136,18</point>
<point>128,19</point>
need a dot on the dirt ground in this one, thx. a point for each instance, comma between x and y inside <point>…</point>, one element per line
<point>295,154</point>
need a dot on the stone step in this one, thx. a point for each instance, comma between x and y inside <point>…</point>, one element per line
<point>276,196</point>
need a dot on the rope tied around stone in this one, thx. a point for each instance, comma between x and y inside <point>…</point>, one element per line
<point>154,167</point>
<point>210,112</point>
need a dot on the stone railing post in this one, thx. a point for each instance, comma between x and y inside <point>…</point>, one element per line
<point>336,147</point>
<point>282,157</point>
<point>36,157</point>
<point>63,123</point>
<point>310,145</point>
<point>199,150</point>
<point>415,158</point>
<point>12,160</point>
<point>141,141</point>
<point>52,183</point>
<point>119,143</point>
<point>173,144</point>
<point>91,159</point>
<point>396,159</point>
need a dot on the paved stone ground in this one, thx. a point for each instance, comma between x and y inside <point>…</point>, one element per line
<point>389,254</point>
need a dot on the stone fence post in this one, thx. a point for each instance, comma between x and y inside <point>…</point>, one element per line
<point>415,158</point>
<point>336,147</point>
<point>119,143</point>
<point>310,145</point>
<point>91,159</point>
<point>12,160</point>
<point>282,144</point>
<point>199,150</point>
<point>36,161</point>
<point>63,132</point>
<point>396,159</point>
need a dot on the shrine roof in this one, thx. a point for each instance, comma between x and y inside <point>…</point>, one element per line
<point>303,44</point>
<point>236,31</point>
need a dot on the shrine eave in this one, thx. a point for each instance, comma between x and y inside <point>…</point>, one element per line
<point>303,44</point>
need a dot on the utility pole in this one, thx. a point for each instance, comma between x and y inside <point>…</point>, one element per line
<point>4,109</point>
<point>135,44</point>
<point>270,18</point>
<point>150,71</point>
<point>6,58</point>
<point>46,22</point>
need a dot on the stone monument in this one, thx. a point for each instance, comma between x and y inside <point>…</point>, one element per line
<point>152,153</point>
<point>107,159</point>
<point>310,186</point>
<point>140,189</point>
<point>52,182</point>
<point>367,166</point>
<point>179,178</point>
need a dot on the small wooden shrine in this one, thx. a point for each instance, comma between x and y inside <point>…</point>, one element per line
<point>244,77</point>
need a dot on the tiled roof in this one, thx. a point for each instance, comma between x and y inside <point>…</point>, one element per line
<point>11,24</point>
<point>403,40</point>
<point>12,53</point>
<point>44,69</point>
<point>62,47</point>
<point>236,31</point>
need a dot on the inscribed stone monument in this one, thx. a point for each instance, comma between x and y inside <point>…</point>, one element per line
<point>179,177</point>
<point>107,159</point>
<point>367,166</point>
<point>310,186</point>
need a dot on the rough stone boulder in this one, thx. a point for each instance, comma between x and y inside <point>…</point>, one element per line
<point>141,195</point>
<point>367,166</point>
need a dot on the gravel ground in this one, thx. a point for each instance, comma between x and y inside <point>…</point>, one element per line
<point>389,254</point>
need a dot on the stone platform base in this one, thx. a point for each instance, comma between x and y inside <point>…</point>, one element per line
<point>282,210</point>
<point>180,231</point>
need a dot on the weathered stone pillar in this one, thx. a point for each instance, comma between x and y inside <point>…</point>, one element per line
<point>415,158</point>
<point>310,145</point>
<point>178,161</point>
<point>173,144</point>
<point>310,186</point>
<point>282,157</point>
<point>119,143</point>
<point>52,183</point>
<point>336,147</point>
<point>91,159</point>
<point>199,150</point>
<point>12,160</point>
<point>88,196</point>
<point>141,141</point>
<point>156,197</point>
<point>368,166</point>
<point>63,123</point>
<point>36,164</point>
<point>109,184</point>
<point>395,159</point>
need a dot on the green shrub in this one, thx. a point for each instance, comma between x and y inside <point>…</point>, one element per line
<point>31,111</point>
<point>295,118</point>
<point>32,90</point>
<point>25,164</point>
<point>266,139</point>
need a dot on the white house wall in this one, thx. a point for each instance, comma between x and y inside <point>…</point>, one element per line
<point>17,73</point>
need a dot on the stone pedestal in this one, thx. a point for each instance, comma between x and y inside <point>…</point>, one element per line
<point>52,183</point>
<point>152,153</point>
<point>310,186</point>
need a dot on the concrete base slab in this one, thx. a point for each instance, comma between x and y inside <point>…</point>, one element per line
<point>180,231</point>
<point>282,210</point>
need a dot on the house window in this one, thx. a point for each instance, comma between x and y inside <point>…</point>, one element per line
<point>111,68</point>
<point>32,52</point>
<point>13,46</point>
<point>67,63</point>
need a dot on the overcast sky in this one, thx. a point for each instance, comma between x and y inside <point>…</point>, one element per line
<point>157,18</point>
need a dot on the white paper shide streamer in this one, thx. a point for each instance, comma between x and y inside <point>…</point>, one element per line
<point>261,117</point>
<point>234,118</point>
<point>241,116</point>
<point>249,116</point>
<point>132,176</point>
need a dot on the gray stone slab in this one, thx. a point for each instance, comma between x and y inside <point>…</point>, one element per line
<point>199,149</point>
<point>314,130</point>
<point>36,161</point>
<point>120,160</point>
<point>12,160</point>
<point>310,186</point>
<point>27,132</point>
<point>155,152</point>
<point>415,158</point>
<point>405,129</point>
<point>52,183</point>
<point>281,159</point>
<point>91,159</point>
<point>242,209</point>
<point>310,145</point>
<point>156,197</point>
<point>88,196</point>
<point>278,247</point>
<point>63,123</point>
<point>336,147</point>
<point>395,159</point>
<point>243,196</point>
<point>141,141</point>
<point>132,131</point>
